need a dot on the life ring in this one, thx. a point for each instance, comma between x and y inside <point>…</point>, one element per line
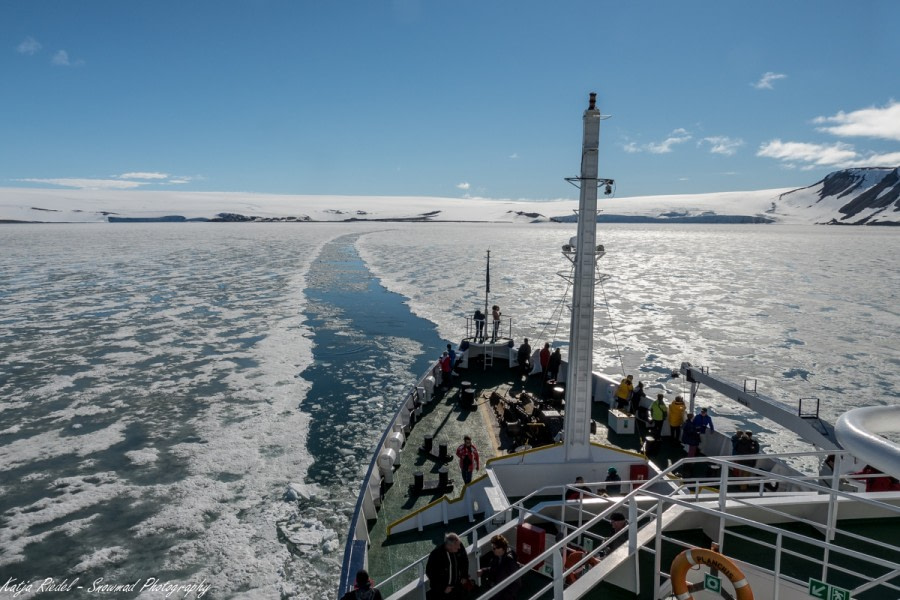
<point>689,558</point>
<point>572,558</point>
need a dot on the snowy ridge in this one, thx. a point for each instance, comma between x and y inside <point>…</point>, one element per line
<point>864,196</point>
<point>850,197</point>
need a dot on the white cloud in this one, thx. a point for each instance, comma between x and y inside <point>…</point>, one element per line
<point>765,82</point>
<point>838,155</point>
<point>464,185</point>
<point>143,175</point>
<point>514,155</point>
<point>679,136</point>
<point>723,145</point>
<point>873,122</point>
<point>61,59</point>
<point>811,154</point>
<point>89,184</point>
<point>29,46</point>
<point>891,159</point>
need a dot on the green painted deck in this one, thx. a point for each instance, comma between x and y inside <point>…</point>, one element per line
<point>448,423</point>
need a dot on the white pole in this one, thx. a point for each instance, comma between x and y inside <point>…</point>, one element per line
<point>577,434</point>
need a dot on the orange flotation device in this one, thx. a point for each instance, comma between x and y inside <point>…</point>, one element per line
<point>572,558</point>
<point>689,558</point>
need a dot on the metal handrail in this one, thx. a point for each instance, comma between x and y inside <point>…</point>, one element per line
<point>685,500</point>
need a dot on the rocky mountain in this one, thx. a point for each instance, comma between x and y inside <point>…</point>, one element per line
<point>863,196</point>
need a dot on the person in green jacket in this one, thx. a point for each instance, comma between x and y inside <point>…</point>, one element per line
<point>658,411</point>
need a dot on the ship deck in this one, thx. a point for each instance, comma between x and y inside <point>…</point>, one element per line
<point>448,423</point>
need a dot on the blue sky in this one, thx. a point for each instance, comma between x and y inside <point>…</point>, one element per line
<point>479,98</point>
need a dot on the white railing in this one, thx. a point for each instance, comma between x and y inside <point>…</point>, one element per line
<point>722,508</point>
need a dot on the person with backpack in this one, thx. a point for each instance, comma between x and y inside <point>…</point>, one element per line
<point>364,589</point>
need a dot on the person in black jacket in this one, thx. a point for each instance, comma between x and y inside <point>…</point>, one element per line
<point>555,362</point>
<point>448,570</point>
<point>502,564</point>
<point>524,358</point>
<point>364,589</point>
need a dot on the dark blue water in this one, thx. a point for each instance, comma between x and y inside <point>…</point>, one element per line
<point>358,374</point>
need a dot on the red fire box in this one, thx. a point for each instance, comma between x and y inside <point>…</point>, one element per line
<point>530,541</point>
<point>639,473</point>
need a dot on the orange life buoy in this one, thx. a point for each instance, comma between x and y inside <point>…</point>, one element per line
<point>689,558</point>
<point>572,558</point>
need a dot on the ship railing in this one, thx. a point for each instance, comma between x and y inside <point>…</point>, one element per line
<point>504,331</point>
<point>415,572</point>
<point>354,551</point>
<point>715,498</point>
<point>828,528</point>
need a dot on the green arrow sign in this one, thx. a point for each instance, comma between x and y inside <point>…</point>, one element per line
<point>818,589</point>
<point>712,583</point>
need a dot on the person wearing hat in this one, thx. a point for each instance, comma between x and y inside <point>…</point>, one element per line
<point>618,522</point>
<point>703,421</point>
<point>612,475</point>
<point>734,441</point>
<point>364,588</point>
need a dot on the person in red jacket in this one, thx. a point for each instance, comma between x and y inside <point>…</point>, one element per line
<point>545,361</point>
<point>469,460</point>
<point>446,370</point>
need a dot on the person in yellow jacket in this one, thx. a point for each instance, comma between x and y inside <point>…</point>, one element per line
<point>623,394</point>
<point>658,412</point>
<point>676,418</point>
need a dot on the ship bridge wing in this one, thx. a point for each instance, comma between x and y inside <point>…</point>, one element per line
<point>811,428</point>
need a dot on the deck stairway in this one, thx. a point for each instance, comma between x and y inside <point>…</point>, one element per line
<point>783,541</point>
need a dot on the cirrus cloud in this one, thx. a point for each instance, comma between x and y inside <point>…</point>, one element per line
<point>143,175</point>
<point>765,82</point>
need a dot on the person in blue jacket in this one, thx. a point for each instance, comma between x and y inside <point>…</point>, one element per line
<point>703,421</point>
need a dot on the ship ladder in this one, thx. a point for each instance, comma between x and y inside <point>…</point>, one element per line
<point>488,356</point>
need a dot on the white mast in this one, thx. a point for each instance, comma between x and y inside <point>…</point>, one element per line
<point>577,434</point>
